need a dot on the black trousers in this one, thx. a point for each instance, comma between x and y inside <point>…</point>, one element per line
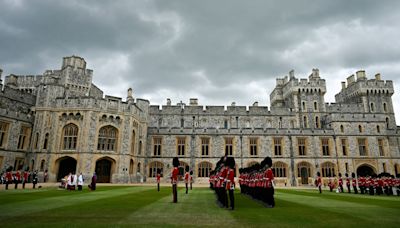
<point>231,199</point>
<point>158,186</point>
<point>186,184</point>
<point>348,188</point>
<point>80,187</point>
<point>355,190</point>
<point>270,197</point>
<point>174,193</point>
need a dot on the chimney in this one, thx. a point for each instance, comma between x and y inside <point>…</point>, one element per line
<point>233,104</point>
<point>377,76</point>
<point>193,101</point>
<point>361,75</point>
<point>168,102</point>
<point>350,80</point>
<point>130,97</point>
<point>291,74</point>
<point>343,85</point>
<point>255,104</point>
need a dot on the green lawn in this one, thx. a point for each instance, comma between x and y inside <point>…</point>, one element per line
<point>144,206</point>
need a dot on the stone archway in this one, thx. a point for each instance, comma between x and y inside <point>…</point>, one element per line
<point>366,170</point>
<point>103,170</point>
<point>66,165</point>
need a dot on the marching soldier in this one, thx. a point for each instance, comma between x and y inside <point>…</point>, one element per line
<point>187,177</point>
<point>174,179</point>
<point>191,179</point>
<point>17,179</point>
<point>348,183</point>
<point>8,177</point>
<point>269,183</point>
<point>354,182</point>
<point>158,179</point>
<point>319,182</point>
<point>230,181</point>
<point>340,183</point>
<point>25,175</point>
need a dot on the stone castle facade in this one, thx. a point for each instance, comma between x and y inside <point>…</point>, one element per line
<point>61,122</point>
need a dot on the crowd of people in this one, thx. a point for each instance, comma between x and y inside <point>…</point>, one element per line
<point>73,181</point>
<point>223,183</point>
<point>10,177</point>
<point>383,183</point>
<point>257,181</point>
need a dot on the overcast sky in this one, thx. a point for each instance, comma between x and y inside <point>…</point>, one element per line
<point>216,51</point>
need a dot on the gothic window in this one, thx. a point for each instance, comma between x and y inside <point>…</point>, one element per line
<point>181,142</point>
<point>153,168</point>
<point>253,146</point>
<point>372,107</point>
<point>182,167</point>
<point>204,169</point>
<point>23,138</point>
<point>305,122</point>
<point>46,141</point>
<point>70,136</point>
<point>3,134</point>
<point>140,148</point>
<point>42,165</point>
<point>360,128</point>
<point>344,146</point>
<point>278,146</point>
<point>362,147</point>
<point>182,123</point>
<point>306,166</point>
<point>387,122</point>
<point>316,122</point>
<point>304,106</point>
<point>325,147</point>
<point>279,169</point>
<point>107,140</point>
<point>341,128</point>
<point>378,129</point>
<point>18,163</point>
<point>226,124</point>
<point>302,146</point>
<point>131,167</point>
<point>205,146</point>
<point>133,141</point>
<point>138,167</point>
<point>315,106</point>
<point>229,146</point>
<point>381,148</point>
<point>328,169</point>
<point>384,107</point>
<point>157,146</point>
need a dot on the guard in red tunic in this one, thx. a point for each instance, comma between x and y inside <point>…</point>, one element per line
<point>174,179</point>
<point>348,183</point>
<point>230,181</point>
<point>354,183</point>
<point>187,177</point>
<point>17,179</point>
<point>158,179</point>
<point>25,175</point>
<point>319,182</point>
<point>269,183</point>
<point>9,177</point>
<point>340,182</point>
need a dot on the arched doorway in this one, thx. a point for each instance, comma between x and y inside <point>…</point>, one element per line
<point>103,170</point>
<point>304,171</point>
<point>66,166</point>
<point>365,170</point>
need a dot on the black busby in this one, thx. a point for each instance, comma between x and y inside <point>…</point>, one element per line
<point>318,174</point>
<point>158,171</point>
<point>187,168</point>
<point>353,175</point>
<point>340,174</point>
<point>347,175</point>
<point>175,162</point>
<point>230,162</point>
<point>268,161</point>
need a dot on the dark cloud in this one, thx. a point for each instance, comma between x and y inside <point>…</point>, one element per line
<point>218,51</point>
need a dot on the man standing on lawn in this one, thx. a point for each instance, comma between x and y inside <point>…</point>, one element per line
<point>174,179</point>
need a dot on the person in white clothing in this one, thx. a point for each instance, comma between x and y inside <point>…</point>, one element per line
<point>80,182</point>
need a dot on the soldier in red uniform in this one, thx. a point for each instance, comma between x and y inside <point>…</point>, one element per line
<point>340,183</point>
<point>269,183</point>
<point>25,175</point>
<point>354,182</point>
<point>17,179</point>
<point>230,181</point>
<point>174,179</point>
<point>8,177</point>
<point>361,184</point>
<point>187,177</point>
<point>348,183</point>
<point>158,179</point>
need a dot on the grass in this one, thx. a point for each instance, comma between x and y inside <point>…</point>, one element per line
<point>117,206</point>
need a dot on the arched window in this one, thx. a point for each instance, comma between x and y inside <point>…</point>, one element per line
<point>204,169</point>
<point>378,129</point>
<point>372,107</point>
<point>133,142</point>
<point>108,136</point>
<point>140,148</point>
<point>182,166</point>
<point>316,122</point>
<point>279,169</point>
<point>360,128</point>
<point>70,137</point>
<point>138,167</point>
<point>387,122</point>
<point>304,106</point>
<point>46,141</point>
<point>341,128</point>
<point>131,167</point>
<point>153,168</point>
<point>328,169</point>
<point>305,122</point>
<point>304,168</point>
<point>315,106</point>
<point>42,165</point>
<point>384,107</point>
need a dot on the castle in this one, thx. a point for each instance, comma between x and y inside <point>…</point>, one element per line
<point>61,122</point>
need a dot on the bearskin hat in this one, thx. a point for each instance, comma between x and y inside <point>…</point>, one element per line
<point>175,162</point>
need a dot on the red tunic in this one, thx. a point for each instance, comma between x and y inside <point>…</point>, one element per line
<point>269,175</point>
<point>230,179</point>
<point>158,178</point>
<point>354,182</point>
<point>174,176</point>
<point>26,174</point>
<point>8,176</point>
<point>17,176</point>
<point>319,181</point>
<point>187,177</point>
